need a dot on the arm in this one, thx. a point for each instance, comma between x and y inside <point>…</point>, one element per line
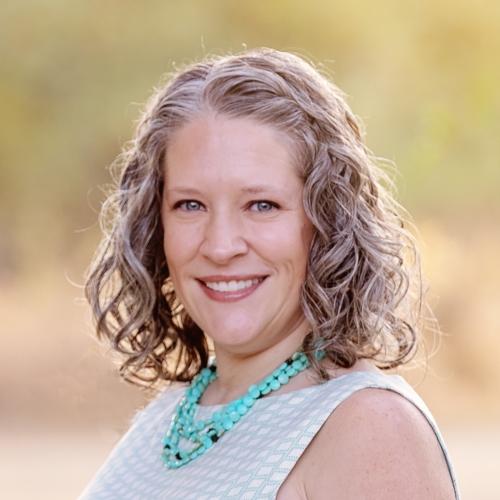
<point>376,445</point>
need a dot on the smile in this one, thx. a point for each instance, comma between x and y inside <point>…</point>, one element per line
<point>232,286</point>
<point>230,290</point>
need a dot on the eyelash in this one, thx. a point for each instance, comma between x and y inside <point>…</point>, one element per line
<point>180,203</point>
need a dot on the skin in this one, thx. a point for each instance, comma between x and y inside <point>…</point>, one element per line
<point>376,445</point>
<point>232,205</point>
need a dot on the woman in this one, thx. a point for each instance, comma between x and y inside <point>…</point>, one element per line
<point>255,255</point>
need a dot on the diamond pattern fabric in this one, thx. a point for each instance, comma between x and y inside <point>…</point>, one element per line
<point>250,461</point>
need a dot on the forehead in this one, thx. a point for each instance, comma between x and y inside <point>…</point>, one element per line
<point>214,146</point>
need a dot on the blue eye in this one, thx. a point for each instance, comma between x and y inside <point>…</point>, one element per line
<point>264,206</point>
<point>188,205</point>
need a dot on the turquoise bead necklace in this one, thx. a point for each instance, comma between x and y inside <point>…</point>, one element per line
<point>203,434</point>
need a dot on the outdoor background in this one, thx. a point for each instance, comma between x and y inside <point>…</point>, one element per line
<point>424,76</point>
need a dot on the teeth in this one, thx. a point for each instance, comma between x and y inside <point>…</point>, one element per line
<point>232,286</point>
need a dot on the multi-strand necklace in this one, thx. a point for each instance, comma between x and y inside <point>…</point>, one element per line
<point>203,434</point>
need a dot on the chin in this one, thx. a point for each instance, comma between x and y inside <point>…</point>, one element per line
<point>237,336</point>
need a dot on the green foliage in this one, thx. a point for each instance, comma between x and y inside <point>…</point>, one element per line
<point>422,75</point>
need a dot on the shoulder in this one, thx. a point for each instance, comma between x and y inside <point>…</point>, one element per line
<point>376,444</point>
<point>158,404</point>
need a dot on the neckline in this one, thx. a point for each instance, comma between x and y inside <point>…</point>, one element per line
<point>299,392</point>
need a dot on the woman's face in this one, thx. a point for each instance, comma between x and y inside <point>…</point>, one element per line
<point>236,234</point>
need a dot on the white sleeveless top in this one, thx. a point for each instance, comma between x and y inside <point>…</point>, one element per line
<point>250,461</point>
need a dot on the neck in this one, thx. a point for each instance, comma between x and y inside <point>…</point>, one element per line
<point>237,371</point>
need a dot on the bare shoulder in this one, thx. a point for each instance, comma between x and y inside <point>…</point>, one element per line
<point>376,445</point>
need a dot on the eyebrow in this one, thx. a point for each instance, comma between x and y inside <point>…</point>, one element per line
<point>254,189</point>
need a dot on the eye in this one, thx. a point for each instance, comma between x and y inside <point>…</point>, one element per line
<point>264,206</point>
<point>187,205</point>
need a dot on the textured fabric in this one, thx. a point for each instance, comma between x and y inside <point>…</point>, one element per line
<point>250,461</point>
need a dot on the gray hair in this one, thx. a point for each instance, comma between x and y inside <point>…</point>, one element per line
<point>363,268</point>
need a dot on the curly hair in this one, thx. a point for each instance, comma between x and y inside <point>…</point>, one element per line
<point>362,294</point>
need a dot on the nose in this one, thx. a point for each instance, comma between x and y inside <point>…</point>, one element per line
<point>223,238</point>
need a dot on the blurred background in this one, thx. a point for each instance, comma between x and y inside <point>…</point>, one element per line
<point>422,75</point>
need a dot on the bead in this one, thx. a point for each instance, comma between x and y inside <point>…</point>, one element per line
<point>227,423</point>
<point>266,390</point>
<point>254,391</point>
<point>207,442</point>
<point>234,416</point>
<point>242,408</point>
<point>319,354</point>
<point>248,401</point>
<point>275,385</point>
<point>232,406</point>
<point>262,386</point>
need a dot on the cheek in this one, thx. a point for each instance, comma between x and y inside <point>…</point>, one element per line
<point>180,245</point>
<point>287,244</point>
<point>173,249</point>
<point>174,256</point>
<point>306,234</point>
